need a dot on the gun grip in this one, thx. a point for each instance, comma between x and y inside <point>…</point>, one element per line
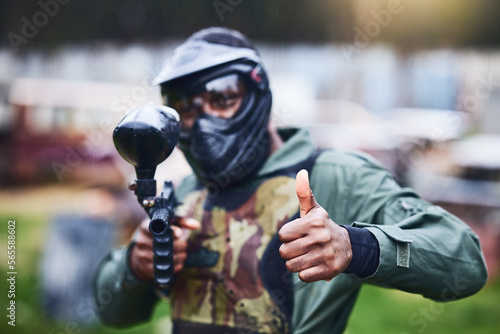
<point>163,252</point>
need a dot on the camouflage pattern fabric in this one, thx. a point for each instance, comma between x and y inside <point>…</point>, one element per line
<point>222,283</point>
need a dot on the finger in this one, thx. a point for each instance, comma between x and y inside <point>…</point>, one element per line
<point>297,264</point>
<point>189,223</point>
<point>147,270</point>
<point>297,247</point>
<point>180,258</point>
<point>144,241</point>
<point>141,263</point>
<point>292,230</point>
<point>144,227</point>
<point>304,193</point>
<point>301,263</point>
<point>177,232</point>
<point>144,255</point>
<point>180,246</point>
<point>314,274</point>
<point>178,268</point>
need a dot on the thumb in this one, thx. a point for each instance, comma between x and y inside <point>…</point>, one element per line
<point>304,193</point>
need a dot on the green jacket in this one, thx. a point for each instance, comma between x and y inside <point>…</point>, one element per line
<point>423,249</point>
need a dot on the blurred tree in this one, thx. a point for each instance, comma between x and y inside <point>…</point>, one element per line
<point>417,23</point>
<point>61,21</point>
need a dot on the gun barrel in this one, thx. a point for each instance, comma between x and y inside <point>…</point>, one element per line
<point>158,227</point>
<point>163,248</point>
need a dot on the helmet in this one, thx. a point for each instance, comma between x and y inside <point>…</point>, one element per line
<point>223,151</point>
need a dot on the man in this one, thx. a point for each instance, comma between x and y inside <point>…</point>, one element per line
<point>254,220</point>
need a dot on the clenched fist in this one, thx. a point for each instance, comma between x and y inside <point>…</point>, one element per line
<point>313,245</point>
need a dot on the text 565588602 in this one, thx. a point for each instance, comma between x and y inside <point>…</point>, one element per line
<point>11,265</point>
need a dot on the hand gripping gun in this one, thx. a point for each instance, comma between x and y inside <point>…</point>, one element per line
<point>145,137</point>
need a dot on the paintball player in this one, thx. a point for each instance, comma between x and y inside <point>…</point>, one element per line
<point>255,250</point>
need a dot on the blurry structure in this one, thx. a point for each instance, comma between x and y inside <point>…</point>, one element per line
<point>417,131</point>
<point>464,178</point>
<point>478,158</point>
<point>490,120</point>
<point>347,125</point>
<point>75,246</point>
<point>61,131</point>
<point>79,236</point>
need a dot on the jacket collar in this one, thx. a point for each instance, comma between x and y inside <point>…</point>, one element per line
<point>298,146</point>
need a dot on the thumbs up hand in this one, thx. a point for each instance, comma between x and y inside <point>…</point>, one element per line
<point>313,245</point>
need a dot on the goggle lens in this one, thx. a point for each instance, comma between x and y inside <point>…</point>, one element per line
<point>220,97</point>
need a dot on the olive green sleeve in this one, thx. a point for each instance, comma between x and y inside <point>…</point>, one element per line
<point>426,250</point>
<point>121,299</point>
<point>423,248</point>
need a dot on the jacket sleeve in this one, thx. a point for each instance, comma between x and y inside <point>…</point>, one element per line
<point>423,248</point>
<point>120,298</point>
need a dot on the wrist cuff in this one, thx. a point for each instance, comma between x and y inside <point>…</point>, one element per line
<point>365,252</point>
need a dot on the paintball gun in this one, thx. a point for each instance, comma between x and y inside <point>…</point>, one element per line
<point>145,137</point>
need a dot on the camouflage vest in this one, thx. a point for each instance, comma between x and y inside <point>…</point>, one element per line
<point>234,280</point>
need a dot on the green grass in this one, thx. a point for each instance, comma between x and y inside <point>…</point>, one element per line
<point>30,316</point>
<point>381,310</point>
<point>377,311</point>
